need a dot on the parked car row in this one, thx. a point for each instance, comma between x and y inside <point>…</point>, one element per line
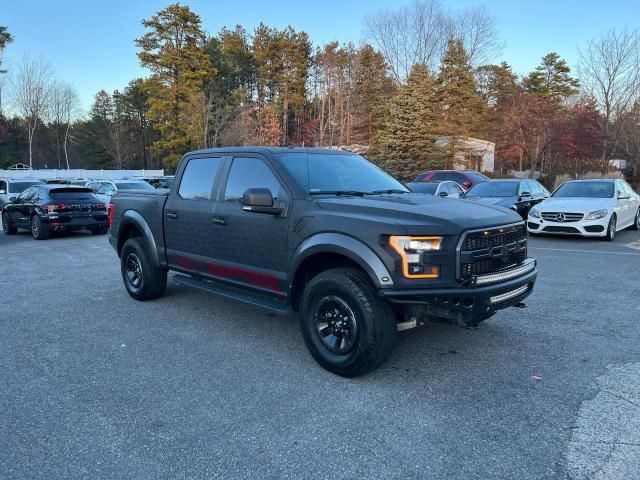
<point>590,208</point>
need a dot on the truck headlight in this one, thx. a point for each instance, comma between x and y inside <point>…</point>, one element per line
<point>534,213</point>
<point>412,250</point>
<point>596,215</point>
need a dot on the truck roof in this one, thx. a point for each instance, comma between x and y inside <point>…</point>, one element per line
<point>254,149</point>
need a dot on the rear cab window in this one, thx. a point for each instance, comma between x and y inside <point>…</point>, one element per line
<point>198,178</point>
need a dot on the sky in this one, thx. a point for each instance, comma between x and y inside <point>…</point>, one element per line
<point>91,43</point>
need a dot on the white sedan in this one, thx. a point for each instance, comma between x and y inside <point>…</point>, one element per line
<point>591,208</point>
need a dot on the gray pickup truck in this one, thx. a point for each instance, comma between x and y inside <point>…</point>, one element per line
<point>329,235</point>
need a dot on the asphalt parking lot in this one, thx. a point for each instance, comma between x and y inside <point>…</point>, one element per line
<point>96,385</point>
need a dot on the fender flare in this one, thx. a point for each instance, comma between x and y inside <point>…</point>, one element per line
<point>131,217</point>
<point>348,246</point>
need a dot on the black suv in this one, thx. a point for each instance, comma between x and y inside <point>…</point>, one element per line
<point>53,207</point>
<point>329,235</point>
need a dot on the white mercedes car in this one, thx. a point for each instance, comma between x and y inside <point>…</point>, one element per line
<point>592,208</point>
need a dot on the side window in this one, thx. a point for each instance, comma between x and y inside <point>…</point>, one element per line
<point>105,189</point>
<point>524,187</point>
<point>619,188</point>
<point>28,194</point>
<point>198,178</point>
<point>249,173</point>
<point>439,176</point>
<point>3,186</point>
<point>627,188</point>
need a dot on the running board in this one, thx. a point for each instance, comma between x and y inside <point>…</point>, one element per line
<point>256,299</point>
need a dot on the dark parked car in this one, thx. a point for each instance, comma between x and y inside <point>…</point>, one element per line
<point>465,178</point>
<point>516,194</point>
<point>327,234</point>
<point>53,207</point>
<point>439,189</point>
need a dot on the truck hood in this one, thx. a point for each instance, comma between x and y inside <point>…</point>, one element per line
<point>578,205</point>
<point>419,214</point>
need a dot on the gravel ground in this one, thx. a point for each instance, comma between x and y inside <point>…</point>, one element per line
<point>96,385</point>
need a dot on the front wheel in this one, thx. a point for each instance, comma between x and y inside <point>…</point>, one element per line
<point>142,279</point>
<point>636,222</point>
<point>611,229</point>
<point>348,329</point>
<point>7,228</point>
<point>39,231</point>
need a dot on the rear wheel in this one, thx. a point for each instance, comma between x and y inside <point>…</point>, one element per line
<point>636,222</point>
<point>142,279</point>
<point>39,231</point>
<point>346,326</point>
<point>611,229</point>
<point>7,228</point>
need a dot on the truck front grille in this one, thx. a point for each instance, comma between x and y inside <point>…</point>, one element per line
<point>493,249</point>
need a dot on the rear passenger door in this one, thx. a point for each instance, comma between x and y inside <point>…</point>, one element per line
<point>252,248</point>
<point>190,234</point>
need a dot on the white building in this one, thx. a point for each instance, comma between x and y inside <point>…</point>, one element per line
<point>473,154</point>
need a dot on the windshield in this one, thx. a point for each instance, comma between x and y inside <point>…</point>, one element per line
<point>493,189</point>
<point>19,187</point>
<point>423,187</point>
<point>133,186</point>
<point>585,190</point>
<point>317,173</point>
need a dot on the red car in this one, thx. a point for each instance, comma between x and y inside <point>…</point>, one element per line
<point>465,178</point>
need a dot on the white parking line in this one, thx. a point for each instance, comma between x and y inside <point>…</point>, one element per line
<point>635,245</point>
<point>599,252</point>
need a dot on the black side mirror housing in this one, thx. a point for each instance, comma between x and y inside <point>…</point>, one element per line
<point>443,194</point>
<point>13,199</point>
<point>260,200</point>
<point>525,194</point>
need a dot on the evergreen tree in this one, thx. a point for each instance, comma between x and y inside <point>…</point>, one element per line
<point>552,79</point>
<point>173,50</point>
<point>407,142</point>
<point>462,106</point>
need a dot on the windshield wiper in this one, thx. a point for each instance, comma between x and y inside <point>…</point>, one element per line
<point>390,190</point>
<point>339,192</point>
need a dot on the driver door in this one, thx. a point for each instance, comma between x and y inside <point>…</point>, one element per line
<point>251,248</point>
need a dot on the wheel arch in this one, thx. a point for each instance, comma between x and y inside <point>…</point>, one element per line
<point>131,225</point>
<point>331,250</point>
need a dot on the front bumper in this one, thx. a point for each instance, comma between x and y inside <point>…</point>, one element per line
<point>585,228</point>
<point>467,302</point>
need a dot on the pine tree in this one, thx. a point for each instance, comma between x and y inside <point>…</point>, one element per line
<point>462,106</point>
<point>173,50</point>
<point>407,141</point>
<point>552,79</point>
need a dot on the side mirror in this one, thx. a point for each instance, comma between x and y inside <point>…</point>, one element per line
<point>13,199</point>
<point>2,192</point>
<point>623,196</point>
<point>259,200</point>
<point>443,194</point>
<point>525,194</point>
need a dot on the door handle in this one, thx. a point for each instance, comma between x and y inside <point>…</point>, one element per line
<point>171,215</point>
<point>219,221</point>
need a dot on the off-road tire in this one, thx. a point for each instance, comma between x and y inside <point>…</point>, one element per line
<point>375,320</point>
<point>152,279</point>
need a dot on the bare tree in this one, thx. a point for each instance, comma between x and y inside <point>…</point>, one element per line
<point>31,90</point>
<point>477,29</point>
<point>609,70</point>
<point>416,33</point>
